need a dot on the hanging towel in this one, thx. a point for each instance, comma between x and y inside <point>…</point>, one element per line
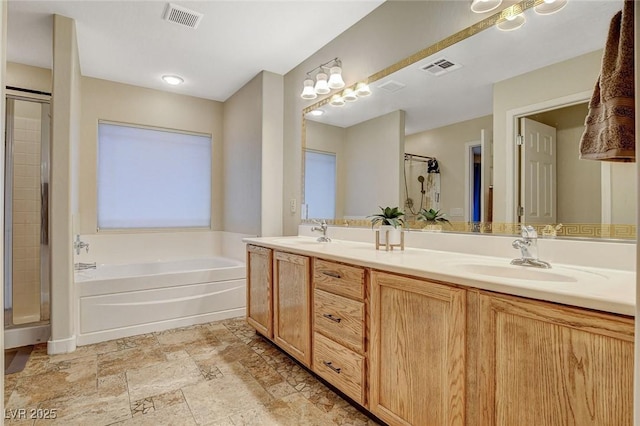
<point>609,133</point>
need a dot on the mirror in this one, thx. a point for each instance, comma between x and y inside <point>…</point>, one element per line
<point>441,133</point>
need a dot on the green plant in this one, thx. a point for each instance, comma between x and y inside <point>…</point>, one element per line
<point>388,216</point>
<point>432,216</point>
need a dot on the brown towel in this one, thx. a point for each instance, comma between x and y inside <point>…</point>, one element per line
<point>609,133</point>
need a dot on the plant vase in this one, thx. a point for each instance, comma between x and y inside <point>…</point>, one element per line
<point>432,227</point>
<point>394,234</point>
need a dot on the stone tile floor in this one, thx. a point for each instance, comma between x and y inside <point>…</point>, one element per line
<point>220,373</point>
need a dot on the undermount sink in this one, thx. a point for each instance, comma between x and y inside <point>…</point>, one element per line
<point>516,272</point>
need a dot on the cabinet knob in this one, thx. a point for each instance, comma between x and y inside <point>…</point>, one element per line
<point>330,365</point>
<point>332,318</point>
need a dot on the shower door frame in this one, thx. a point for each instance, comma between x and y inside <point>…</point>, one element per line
<point>38,332</point>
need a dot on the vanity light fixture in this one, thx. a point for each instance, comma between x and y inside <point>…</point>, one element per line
<point>173,80</point>
<point>511,22</point>
<point>482,6</point>
<point>549,7</point>
<point>323,83</point>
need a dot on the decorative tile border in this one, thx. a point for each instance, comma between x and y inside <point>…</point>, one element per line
<point>573,230</point>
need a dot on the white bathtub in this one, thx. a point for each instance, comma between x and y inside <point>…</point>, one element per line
<point>116,301</point>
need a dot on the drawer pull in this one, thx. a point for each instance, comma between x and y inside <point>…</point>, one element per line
<point>330,365</point>
<point>332,318</point>
<point>332,274</point>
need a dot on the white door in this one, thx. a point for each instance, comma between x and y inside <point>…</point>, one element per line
<point>538,173</point>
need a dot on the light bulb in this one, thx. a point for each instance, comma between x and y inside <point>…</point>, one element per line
<point>322,87</point>
<point>362,90</point>
<point>336,101</point>
<point>335,79</point>
<point>317,112</point>
<point>307,91</point>
<point>349,95</point>
<point>173,80</point>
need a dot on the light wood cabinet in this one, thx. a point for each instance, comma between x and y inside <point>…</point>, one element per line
<point>417,355</point>
<point>548,364</point>
<point>292,305</point>
<point>259,289</point>
<point>339,323</point>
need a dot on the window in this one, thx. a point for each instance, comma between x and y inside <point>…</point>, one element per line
<point>152,178</point>
<point>320,184</point>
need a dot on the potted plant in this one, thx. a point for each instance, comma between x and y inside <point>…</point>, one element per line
<point>390,219</point>
<point>433,218</point>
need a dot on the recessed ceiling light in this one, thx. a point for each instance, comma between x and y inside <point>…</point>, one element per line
<point>512,22</point>
<point>173,80</point>
<point>317,112</point>
<point>550,6</point>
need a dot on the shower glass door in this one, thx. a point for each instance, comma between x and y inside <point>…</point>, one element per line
<point>26,226</point>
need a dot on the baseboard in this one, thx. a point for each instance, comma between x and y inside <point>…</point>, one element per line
<point>61,346</point>
<point>24,336</point>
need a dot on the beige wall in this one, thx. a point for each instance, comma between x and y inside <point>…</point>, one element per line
<point>3,83</point>
<point>110,101</point>
<point>243,159</point>
<point>447,144</point>
<point>28,77</point>
<point>563,79</point>
<point>63,198</point>
<point>389,34</point>
<point>624,198</point>
<point>373,157</point>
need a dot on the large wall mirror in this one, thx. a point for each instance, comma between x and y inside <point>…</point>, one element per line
<point>442,133</point>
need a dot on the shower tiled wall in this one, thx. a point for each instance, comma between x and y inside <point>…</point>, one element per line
<point>26,220</point>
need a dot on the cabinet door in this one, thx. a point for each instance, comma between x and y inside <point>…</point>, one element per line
<point>546,364</point>
<point>417,351</point>
<point>259,285</point>
<point>292,305</point>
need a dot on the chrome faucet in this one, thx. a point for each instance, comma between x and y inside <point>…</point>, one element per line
<point>528,246</point>
<point>78,245</point>
<point>322,228</point>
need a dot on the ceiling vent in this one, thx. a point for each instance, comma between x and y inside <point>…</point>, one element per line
<point>182,16</point>
<point>391,86</point>
<point>439,67</point>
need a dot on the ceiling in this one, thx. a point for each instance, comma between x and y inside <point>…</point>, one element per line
<point>485,58</point>
<point>129,42</point>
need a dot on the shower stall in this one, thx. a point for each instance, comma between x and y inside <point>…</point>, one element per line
<point>421,184</point>
<point>26,242</point>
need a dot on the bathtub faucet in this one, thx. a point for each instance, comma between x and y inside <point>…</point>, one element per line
<point>78,245</point>
<point>83,266</point>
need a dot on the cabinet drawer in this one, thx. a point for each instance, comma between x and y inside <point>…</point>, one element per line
<point>339,279</point>
<point>340,366</point>
<point>339,318</point>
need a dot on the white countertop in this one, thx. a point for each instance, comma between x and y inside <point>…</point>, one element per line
<point>601,289</point>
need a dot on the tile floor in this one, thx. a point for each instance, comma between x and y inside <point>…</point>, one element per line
<point>221,373</point>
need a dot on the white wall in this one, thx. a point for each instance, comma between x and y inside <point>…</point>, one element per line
<point>373,156</point>
<point>28,77</point>
<point>3,83</point>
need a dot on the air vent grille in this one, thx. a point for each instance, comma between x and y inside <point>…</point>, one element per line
<point>391,86</point>
<point>440,66</point>
<point>182,16</point>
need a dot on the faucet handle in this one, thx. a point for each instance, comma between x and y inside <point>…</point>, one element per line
<point>529,231</point>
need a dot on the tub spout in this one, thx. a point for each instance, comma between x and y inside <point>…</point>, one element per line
<point>84,266</point>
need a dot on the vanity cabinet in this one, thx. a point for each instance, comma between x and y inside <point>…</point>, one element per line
<point>339,324</point>
<point>259,289</point>
<point>292,305</point>
<point>417,355</point>
<point>548,364</point>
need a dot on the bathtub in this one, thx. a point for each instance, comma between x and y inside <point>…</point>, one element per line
<point>121,300</point>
